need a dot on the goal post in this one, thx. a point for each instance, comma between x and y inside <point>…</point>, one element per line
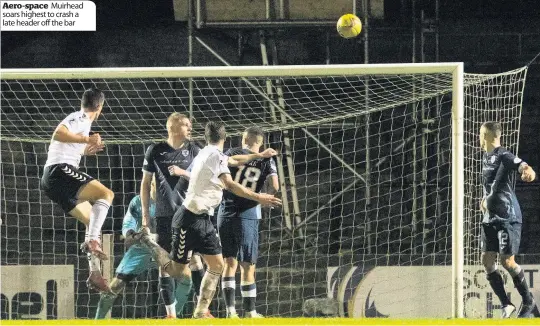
<point>458,193</point>
<point>351,131</point>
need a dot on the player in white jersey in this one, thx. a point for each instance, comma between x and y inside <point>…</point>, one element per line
<point>192,228</point>
<point>80,195</point>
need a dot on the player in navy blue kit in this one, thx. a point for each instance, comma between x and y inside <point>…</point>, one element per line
<point>163,160</point>
<point>238,223</point>
<point>192,228</point>
<point>502,220</point>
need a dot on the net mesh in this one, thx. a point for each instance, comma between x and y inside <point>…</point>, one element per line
<point>366,164</point>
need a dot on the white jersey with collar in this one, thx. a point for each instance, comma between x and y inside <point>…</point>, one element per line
<point>205,189</point>
<point>70,153</point>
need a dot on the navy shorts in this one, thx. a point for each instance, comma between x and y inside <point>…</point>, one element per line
<point>240,235</point>
<point>62,182</point>
<point>501,238</point>
<point>192,233</point>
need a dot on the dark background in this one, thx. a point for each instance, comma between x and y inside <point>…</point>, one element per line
<point>489,36</point>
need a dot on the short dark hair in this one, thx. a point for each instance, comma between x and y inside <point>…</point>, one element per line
<point>252,134</point>
<point>92,99</point>
<point>493,127</point>
<point>214,132</point>
<point>255,132</point>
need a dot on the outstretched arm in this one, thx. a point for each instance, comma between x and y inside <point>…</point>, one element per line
<point>239,190</point>
<point>242,159</point>
<point>527,172</point>
<point>235,160</point>
<point>512,163</point>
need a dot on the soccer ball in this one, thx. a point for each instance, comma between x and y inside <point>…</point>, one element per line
<point>349,26</point>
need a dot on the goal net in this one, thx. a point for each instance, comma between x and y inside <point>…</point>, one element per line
<point>376,163</point>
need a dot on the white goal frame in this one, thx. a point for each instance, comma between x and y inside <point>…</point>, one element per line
<point>455,68</point>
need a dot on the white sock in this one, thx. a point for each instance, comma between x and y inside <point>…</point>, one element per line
<point>208,289</point>
<point>171,309</point>
<point>97,217</point>
<point>93,262</point>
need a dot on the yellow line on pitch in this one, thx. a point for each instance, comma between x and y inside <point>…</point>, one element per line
<point>276,322</point>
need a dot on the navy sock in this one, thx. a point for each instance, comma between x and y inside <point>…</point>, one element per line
<point>497,284</point>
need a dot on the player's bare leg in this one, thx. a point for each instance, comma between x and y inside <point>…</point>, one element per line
<point>228,284</point>
<point>528,304</point>
<point>208,285</point>
<point>489,260</point>
<point>180,272</point>
<point>95,280</point>
<point>102,198</point>
<point>249,290</point>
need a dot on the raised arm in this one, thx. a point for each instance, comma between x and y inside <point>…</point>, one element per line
<point>242,159</point>
<point>93,149</point>
<point>62,134</point>
<point>239,190</point>
<point>514,163</point>
<point>510,162</point>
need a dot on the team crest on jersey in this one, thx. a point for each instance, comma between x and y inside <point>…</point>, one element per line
<point>493,159</point>
<point>185,152</point>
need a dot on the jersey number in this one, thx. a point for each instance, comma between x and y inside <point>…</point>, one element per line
<point>503,239</point>
<point>251,176</point>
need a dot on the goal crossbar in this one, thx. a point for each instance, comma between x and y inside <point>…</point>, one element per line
<point>221,71</point>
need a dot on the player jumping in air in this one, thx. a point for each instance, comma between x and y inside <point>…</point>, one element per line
<point>238,223</point>
<point>164,160</point>
<point>80,195</point>
<point>137,258</point>
<point>501,223</point>
<point>192,228</point>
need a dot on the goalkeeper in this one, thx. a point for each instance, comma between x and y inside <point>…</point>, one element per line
<point>137,259</point>
<point>501,224</point>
